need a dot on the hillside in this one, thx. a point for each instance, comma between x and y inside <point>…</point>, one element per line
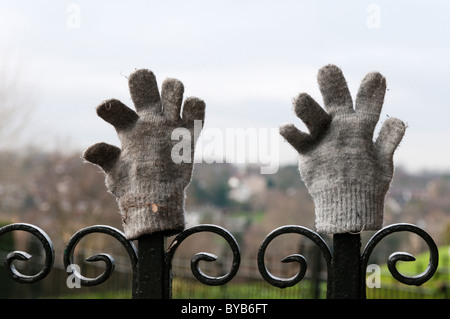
<point>61,194</point>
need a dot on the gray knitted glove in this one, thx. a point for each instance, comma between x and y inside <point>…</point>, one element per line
<point>146,181</point>
<point>346,173</point>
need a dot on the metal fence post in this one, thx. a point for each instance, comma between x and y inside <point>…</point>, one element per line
<point>152,282</point>
<point>344,281</point>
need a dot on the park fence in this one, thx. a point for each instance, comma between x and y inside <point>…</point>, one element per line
<point>150,270</point>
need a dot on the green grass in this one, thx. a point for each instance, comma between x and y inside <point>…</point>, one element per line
<point>413,268</point>
<point>187,289</point>
<point>390,287</point>
<point>433,288</point>
<point>121,294</point>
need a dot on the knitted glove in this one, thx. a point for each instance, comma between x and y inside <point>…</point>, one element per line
<point>346,173</point>
<point>147,181</point>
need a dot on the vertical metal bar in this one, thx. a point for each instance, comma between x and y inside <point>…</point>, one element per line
<point>316,270</point>
<point>151,279</point>
<point>345,275</point>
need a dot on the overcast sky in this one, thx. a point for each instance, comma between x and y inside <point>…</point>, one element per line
<point>246,59</point>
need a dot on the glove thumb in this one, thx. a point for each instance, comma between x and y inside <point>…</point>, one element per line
<point>390,136</point>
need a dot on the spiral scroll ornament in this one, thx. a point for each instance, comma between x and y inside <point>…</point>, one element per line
<point>49,252</point>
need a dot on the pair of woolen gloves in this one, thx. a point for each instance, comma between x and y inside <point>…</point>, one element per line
<point>346,172</point>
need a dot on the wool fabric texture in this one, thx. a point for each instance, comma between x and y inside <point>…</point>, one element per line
<point>346,172</point>
<point>143,176</point>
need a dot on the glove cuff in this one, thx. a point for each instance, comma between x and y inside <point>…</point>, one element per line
<point>348,207</point>
<point>153,211</point>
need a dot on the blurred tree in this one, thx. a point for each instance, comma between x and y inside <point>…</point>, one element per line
<point>209,184</point>
<point>446,234</point>
<point>17,101</point>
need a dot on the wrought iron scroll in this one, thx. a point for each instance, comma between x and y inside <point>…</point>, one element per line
<point>21,255</point>
<point>402,256</point>
<point>196,271</point>
<point>363,260</point>
<point>167,256</point>
<point>291,229</point>
<point>106,258</point>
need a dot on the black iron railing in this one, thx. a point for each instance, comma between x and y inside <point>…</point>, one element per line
<point>151,260</point>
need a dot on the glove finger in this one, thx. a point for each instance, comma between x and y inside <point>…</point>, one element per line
<point>172,98</point>
<point>144,91</point>
<point>391,134</point>
<point>334,89</point>
<point>116,113</point>
<point>312,114</point>
<point>370,97</point>
<point>298,139</point>
<point>193,109</point>
<point>103,155</point>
